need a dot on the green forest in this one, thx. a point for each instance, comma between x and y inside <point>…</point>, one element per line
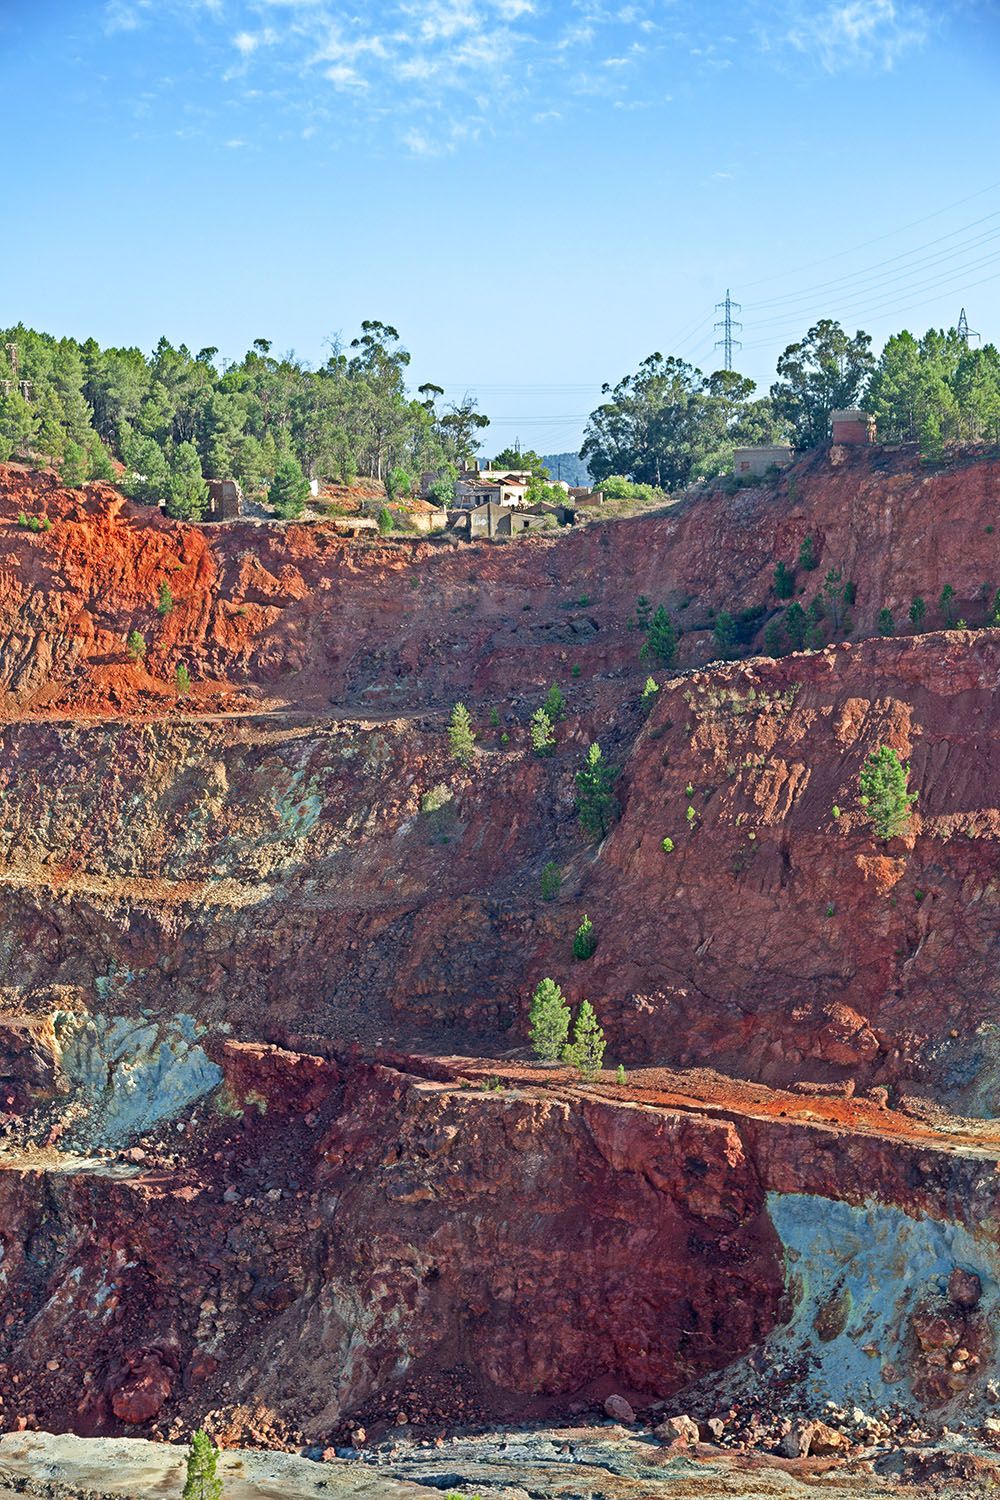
<point>160,425</point>
<point>173,420</point>
<point>669,424</point>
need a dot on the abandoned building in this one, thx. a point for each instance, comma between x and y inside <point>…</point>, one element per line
<point>852,425</point>
<point>493,519</point>
<point>755,462</point>
<point>491,487</point>
<point>225,500</point>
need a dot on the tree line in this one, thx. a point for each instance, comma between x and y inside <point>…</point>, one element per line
<point>669,424</point>
<point>174,418</point>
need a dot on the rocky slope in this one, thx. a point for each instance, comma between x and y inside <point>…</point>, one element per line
<point>246,931</point>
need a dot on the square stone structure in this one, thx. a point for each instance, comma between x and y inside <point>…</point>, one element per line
<point>225,500</point>
<point>852,425</point>
<point>757,461</point>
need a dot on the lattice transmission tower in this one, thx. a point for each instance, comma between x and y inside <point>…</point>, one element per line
<point>727,323</point>
<point>965,333</point>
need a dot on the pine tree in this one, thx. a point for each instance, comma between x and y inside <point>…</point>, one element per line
<point>945,603</point>
<point>595,803</point>
<point>555,703</point>
<point>585,941</point>
<point>187,492</point>
<point>548,1020</point>
<point>724,634</point>
<point>202,1481</point>
<point>661,638</point>
<point>136,645</point>
<point>289,489</point>
<point>550,880</point>
<point>182,680</point>
<point>882,783</point>
<point>75,465</point>
<point>784,581</point>
<point>649,691</point>
<point>886,623</point>
<point>17,425</point>
<point>586,1050</point>
<point>543,740</point>
<point>166,600</point>
<point>918,610</point>
<point>461,739</point>
<point>807,554</point>
<point>796,623</point>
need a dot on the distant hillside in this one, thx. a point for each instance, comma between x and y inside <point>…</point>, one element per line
<point>566,466</point>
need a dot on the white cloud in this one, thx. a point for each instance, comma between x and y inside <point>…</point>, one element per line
<point>343,76</point>
<point>856,33</point>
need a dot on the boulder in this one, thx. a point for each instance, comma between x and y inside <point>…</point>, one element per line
<point>813,1440</point>
<point>618,1409</point>
<point>964,1287</point>
<point>678,1430</point>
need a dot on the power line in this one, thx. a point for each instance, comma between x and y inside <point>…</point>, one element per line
<point>879,239</point>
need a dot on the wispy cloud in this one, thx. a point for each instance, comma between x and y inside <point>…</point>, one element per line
<point>434,75</point>
<point>853,33</point>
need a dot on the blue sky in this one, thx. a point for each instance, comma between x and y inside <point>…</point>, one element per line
<point>536,194</point>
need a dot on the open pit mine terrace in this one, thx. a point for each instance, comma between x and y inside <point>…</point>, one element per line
<point>275,1160</point>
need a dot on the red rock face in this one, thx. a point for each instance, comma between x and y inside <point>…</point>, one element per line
<point>305,1256</point>
<point>290,859</point>
<point>286,613</point>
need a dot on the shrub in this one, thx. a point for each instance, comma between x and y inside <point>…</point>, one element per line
<point>691,814</point>
<point>442,492</point>
<point>433,800</point>
<point>621,1077</point>
<point>548,1020</point>
<point>555,703</point>
<point>399,482</point>
<point>661,638</point>
<point>585,941</point>
<point>135,645</point>
<point>386,521</point>
<point>807,555</point>
<point>575,672</point>
<point>202,1481</point>
<point>166,600</point>
<point>586,1050</point>
<point>886,624</point>
<point>182,680</point>
<point>543,740</point>
<point>784,581</point>
<point>883,787</point>
<point>550,880</point>
<point>667,845</point>
<point>917,611</point>
<point>595,803</point>
<point>461,739</point>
